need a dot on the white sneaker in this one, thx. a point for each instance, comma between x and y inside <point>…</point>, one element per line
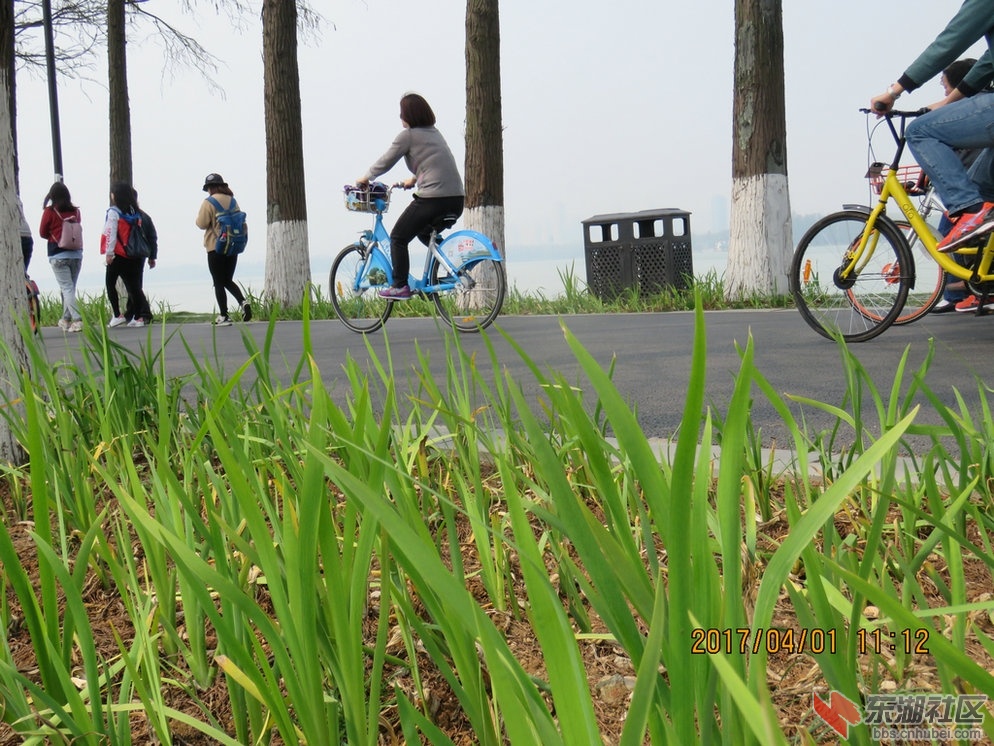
<point>222,321</point>
<point>117,321</point>
<point>136,323</point>
<point>76,326</point>
<point>64,324</point>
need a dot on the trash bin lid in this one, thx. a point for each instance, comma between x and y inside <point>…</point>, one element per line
<point>666,212</point>
<point>618,217</point>
<point>615,217</point>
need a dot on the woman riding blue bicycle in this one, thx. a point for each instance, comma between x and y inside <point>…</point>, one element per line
<point>439,185</point>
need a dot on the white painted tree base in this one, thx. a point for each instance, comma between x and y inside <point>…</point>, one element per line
<point>288,264</point>
<point>488,220</point>
<point>760,245</point>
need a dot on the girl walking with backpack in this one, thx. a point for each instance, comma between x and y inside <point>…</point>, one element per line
<point>60,226</point>
<point>222,267</point>
<point>113,245</point>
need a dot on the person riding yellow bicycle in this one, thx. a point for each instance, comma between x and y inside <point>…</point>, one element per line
<point>960,120</point>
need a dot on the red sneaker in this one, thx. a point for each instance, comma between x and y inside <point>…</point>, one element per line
<point>971,303</point>
<point>968,226</point>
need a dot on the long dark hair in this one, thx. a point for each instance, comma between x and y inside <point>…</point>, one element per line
<point>415,111</point>
<point>123,195</point>
<point>59,198</point>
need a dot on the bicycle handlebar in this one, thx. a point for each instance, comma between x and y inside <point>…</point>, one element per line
<point>367,186</point>
<point>896,113</point>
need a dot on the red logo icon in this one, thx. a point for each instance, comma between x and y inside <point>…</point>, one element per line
<point>838,711</point>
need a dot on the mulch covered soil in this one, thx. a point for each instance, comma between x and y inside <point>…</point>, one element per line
<point>610,675</point>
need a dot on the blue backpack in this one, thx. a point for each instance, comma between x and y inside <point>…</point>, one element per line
<point>233,230</point>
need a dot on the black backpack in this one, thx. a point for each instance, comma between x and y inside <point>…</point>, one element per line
<point>139,246</point>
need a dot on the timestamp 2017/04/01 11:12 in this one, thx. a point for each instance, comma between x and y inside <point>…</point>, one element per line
<point>772,640</point>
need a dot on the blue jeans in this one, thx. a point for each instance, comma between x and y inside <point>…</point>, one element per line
<point>934,138</point>
<point>66,273</point>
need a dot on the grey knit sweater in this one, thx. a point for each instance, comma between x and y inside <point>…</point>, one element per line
<point>428,157</point>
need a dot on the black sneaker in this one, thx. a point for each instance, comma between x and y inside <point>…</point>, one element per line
<point>246,311</point>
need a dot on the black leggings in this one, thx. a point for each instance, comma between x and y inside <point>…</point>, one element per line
<point>223,272</point>
<point>131,272</point>
<point>27,248</point>
<point>416,221</point>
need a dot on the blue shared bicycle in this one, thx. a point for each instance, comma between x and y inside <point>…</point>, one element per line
<point>463,272</point>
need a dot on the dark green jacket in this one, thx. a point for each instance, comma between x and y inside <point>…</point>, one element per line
<point>972,22</point>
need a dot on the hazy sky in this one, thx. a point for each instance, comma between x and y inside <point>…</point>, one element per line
<point>607,107</point>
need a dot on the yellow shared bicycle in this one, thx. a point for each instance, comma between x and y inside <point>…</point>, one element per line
<point>854,272</point>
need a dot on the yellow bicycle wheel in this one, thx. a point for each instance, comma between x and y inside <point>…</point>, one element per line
<point>930,280</point>
<point>842,296</point>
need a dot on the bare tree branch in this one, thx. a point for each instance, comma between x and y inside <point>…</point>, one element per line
<point>182,50</point>
<point>79,29</point>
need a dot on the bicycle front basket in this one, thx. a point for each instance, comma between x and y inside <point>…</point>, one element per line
<point>912,178</point>
<point>360,199</point>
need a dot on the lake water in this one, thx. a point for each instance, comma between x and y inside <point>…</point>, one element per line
<point>188,288</point>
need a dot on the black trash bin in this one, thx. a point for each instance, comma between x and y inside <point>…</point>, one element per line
<point>647,251</point>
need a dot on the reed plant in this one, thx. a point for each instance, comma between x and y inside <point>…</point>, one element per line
<point>572,296</point>
<point>349,563</point>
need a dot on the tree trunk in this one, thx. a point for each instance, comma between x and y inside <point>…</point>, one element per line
<point>7,61</point>
<point>760,244</point>
<point>117,83</point>
<point>288,271</point>
<point>14,304</point>
<point>484,128</point>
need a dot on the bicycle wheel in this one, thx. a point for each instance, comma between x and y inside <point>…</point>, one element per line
<point>354,288</point>
<point>476,300</point>
<point>861,306</point>
<point>930,280</point>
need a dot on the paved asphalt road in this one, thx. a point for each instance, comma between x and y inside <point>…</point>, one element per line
<point>652,351</point>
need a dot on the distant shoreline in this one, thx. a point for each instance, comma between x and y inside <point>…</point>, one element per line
<point>187,287</point>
